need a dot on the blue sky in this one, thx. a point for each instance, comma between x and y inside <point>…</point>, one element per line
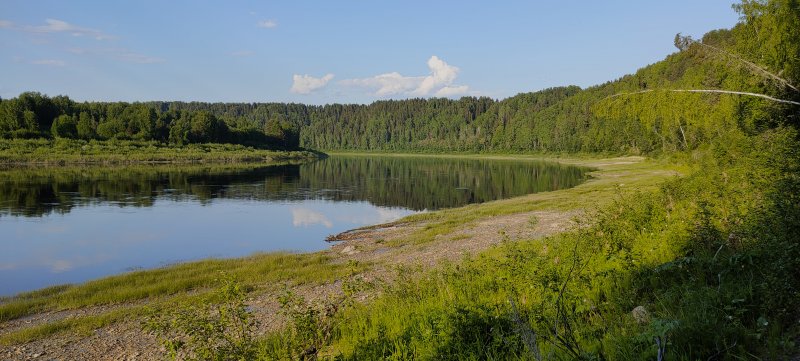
<point>321,52</point>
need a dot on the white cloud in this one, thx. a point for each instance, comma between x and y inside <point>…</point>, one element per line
<point>387,84</point>
<point>60,26</point>
<point>269,24</point>
<point>6,24</point>
<point>437,83</point>
<point>306,217</point>
<point>442,74</point>
<point>50,62</point>
<point>305,84</point>
<point>450,91</point>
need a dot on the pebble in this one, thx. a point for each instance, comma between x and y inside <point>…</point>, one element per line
<point>641,315</point>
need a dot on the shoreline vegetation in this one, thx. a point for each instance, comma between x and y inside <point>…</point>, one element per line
<point>56,152</point>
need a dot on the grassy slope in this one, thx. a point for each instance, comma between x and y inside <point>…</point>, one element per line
<point>267,271</point>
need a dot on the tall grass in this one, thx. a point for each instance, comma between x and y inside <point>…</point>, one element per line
<point>260,269</point>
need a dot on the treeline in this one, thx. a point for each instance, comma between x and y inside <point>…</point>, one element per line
<point>33,115</point>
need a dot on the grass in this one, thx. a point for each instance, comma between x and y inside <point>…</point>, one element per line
<point>175,283</point>
<point>83,326</point>
<point>71,151</point>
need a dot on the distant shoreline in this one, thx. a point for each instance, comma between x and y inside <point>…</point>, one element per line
<point>62,152</point>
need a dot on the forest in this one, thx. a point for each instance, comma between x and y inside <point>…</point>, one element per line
<point>33,115</point>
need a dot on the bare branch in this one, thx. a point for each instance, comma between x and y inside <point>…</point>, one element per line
<point>717,91</point>
<point>683,42</point>
<point>525,331</point>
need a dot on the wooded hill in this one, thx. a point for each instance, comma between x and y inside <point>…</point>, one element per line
<point>639,113</point>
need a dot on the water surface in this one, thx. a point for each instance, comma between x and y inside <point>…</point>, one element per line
<point>67,225</point>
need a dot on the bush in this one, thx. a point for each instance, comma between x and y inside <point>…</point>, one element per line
<point>219,328</point>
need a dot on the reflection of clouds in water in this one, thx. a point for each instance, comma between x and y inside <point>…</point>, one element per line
<point>381,215</point>
<point>61,265</point>
<point>56,265</point>
<point>306,217</point>
<point>390,214</point>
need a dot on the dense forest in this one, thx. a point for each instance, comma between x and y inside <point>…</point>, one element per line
<point>33,115</point>
<point>647,112</point>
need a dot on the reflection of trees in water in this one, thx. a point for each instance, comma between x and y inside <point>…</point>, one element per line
<point>433,183</point>
<point>35,192</point>
<point>415,183</point>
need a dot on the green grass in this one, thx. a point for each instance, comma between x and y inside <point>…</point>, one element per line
<point>70,151</point>
<point>176,283</point>
<point>83,326</point>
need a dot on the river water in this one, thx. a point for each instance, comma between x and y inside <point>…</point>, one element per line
<point>69,225</point>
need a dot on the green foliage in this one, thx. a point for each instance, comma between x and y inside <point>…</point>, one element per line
<point>64,126</point>
<point>768,33</point>
<point>219,328</point>
<point>29,114</point>
<point>311,324</point>
<point>112,129</point>
<point>86,127</point>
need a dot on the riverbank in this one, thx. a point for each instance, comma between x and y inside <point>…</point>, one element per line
<point>103,315</point>
<point>17,152</point>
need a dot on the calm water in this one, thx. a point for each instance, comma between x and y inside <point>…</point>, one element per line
<point>67,225</point>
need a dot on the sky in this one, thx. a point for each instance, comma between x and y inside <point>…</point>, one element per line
<point>346,51</point>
